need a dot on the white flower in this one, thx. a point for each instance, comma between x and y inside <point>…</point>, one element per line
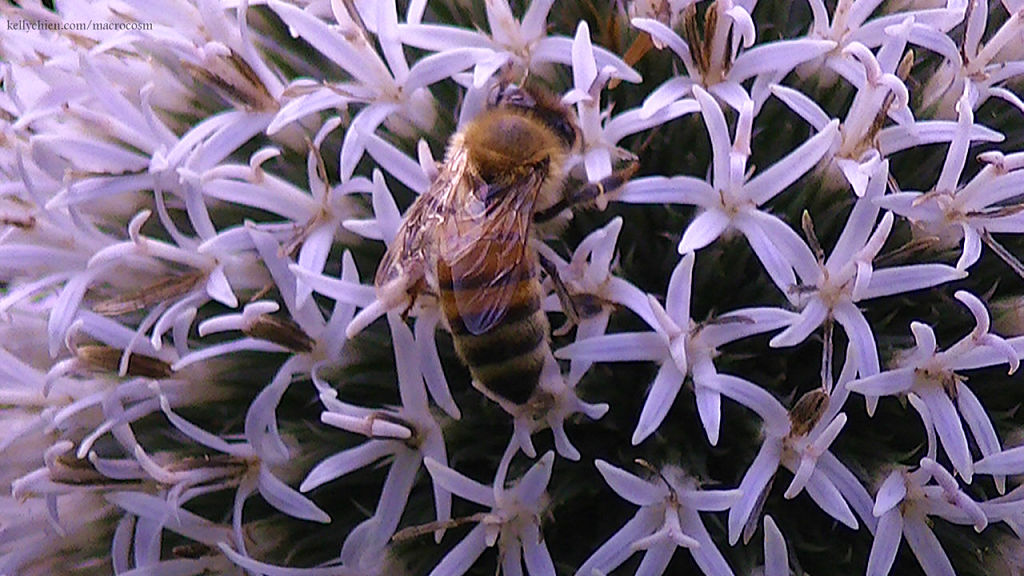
<point>863,142</point>
<point>903,505</point>
<point>682,347</point>
<point>407,434</point>
<point>934,377</point>
<point>832,289</point>
<point>668,519</point>
<point>390,88</point>
<point>716,65</point>
<point>970,212</point>
<point>799,440</point>
<point>732,200</point>
<point>512,523</point>
<point>523,43</point>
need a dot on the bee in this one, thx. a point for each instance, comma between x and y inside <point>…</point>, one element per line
<point>469,239</point>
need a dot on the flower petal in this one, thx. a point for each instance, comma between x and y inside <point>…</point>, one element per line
<point>703,230</point>
<point>886,543</point>
<point>926,548</point>
<point>630,487</point>
<point>776,558</point>
<point>663,393</point>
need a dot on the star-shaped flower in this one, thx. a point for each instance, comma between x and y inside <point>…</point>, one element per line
<point>523,43</point>
<point>733,200</point>
<point>668,518</point>
<point>863,139</point>
<point>682,347</point>
<point>935,378</point>
<point>408,434</point>
<point>833,287</point>
<point>903,505</point>
<point>799,440</point>
<point>715,64</point>
<point>512,523</point>
<point>971,212</point>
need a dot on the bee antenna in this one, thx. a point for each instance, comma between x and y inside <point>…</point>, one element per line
<point>650,468</point>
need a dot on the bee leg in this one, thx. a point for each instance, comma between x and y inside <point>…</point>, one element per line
<point>572,316</point>
<point>397,295</point>
<point>590,194</point>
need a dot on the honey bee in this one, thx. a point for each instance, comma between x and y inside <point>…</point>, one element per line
<point>467,240</point>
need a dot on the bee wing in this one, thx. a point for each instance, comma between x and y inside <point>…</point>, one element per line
<point>406,253</point>
<point>411,250</point>
<point>484,248</point>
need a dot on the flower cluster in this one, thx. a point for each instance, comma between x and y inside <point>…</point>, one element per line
<point>200,372</point>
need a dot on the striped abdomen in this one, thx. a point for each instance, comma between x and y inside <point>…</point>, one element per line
<point>508,357</point>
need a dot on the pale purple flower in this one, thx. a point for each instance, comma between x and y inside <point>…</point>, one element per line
<point>347,290</point>
<point>863,143</point>
<point>407,434</point>
<point>136,545</point>
<point>215,269</point>
<point>392,91</point>
<point>32,546</point>
<point>53,252</point>
<point>1008,508</point>
<point>512,523</point>
<point>252,565</point>
<point>668,518</point>
<point>262,453</point>
<point>122,400</point>
<point>588,274</point>
<point>682,347</point>
<point>1003,462</point>
<point>310,337</point>
<point>980,71</point>
<point>971,212</point>
<point>213,38</point>
<point>850,22</point>
<point>599,133</point>
<point>798,440</point>
<point>384,225</point>
<point>522,43</point>
<point>903,505</point>
<point>554,403</point>
<point>776,556</point>
<point>833,288</point>
<point>935,377</point>
<point>732,200</point>
<point>316,214</point>
<point>557,401</point>
<point>726,69</point>
<point>56,481</point>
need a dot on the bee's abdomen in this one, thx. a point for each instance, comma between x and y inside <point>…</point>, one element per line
<point>508,358</point>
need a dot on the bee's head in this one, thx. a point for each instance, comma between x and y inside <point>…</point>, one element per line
<point>542,105</point>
